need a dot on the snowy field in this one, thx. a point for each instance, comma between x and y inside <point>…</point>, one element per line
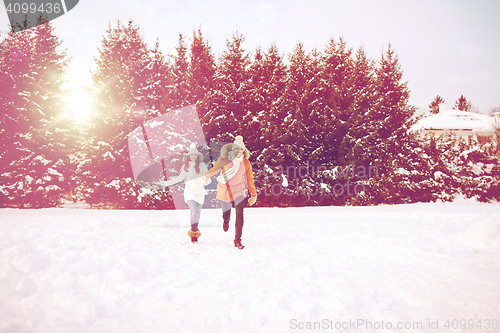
<point>408,268</point>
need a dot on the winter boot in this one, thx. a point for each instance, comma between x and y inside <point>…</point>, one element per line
<point>225,226</point>
<point>238,245</point>
<point>194,235</point>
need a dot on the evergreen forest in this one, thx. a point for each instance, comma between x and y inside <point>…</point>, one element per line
<point>324,127</point>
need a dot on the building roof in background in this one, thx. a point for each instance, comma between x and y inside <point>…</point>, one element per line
<point>456,120</point>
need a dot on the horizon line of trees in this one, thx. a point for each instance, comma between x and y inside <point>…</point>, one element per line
<point>461,104</point>
<point>334,109</point>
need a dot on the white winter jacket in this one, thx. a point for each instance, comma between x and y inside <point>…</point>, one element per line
<point>194,189</point>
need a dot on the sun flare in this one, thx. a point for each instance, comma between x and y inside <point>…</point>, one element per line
<point>79,103</point>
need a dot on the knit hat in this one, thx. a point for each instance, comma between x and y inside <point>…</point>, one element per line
<point>192,149</point>
<point>238,142</point>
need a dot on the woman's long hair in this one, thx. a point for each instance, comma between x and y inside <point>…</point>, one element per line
<point>196,163</point>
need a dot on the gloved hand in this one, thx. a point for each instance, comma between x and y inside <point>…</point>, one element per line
<point>252,200</point>
<point>204,181</point>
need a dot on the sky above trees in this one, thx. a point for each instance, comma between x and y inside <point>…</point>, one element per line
<point>447,48</point>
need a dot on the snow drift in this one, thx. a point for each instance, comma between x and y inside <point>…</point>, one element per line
<point>406,267</point>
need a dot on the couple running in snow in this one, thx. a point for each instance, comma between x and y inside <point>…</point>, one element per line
<point>234,180</point>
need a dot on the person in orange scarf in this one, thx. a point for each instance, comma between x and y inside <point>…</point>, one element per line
<point>234,181</point>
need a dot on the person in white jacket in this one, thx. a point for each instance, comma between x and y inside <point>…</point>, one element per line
<point>192,172</point>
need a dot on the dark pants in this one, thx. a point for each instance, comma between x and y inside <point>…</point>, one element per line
<point>238,204</point>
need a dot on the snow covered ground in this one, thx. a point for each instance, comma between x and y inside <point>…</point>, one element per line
<point>407,268</point>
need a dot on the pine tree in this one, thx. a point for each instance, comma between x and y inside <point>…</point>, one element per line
<point>264,93</point>
<point>224,106</point>
<point>33,155</point>
<point>393,110</point>
<point>420,175</point>
<point>123,80</point>
<point>331,104</point>
<point>295,133</point>
<point>434,106</point>
<point>179,93</point>
<point>340,75</point>
<point>300,144</point>
<point>273,87</point>
<point>201,67</point>
<point>324,115</point>
<point>160,79</point>
<point>390,124</point>
<point>364,93</point>
<point>254,102</point>
<point>289,148</point>
<point>355,156</point>
<point>462,104</point>
<point>269,141</point>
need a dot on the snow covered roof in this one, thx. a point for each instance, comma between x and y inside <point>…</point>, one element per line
<point>456,120</point>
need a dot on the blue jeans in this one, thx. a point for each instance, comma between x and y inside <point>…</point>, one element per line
<point>238,204</point>
<point>195,213</point>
